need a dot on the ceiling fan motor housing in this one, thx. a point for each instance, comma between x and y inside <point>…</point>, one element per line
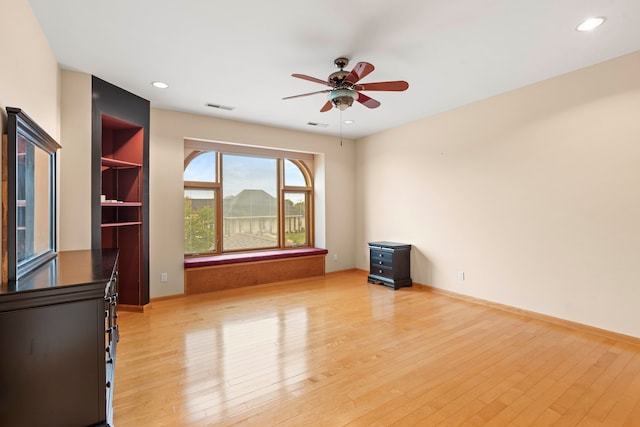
<point>337,78</point>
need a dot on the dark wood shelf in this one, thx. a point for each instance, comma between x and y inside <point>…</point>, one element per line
<point>118,204</point>
<point>120,224</point>
<point>108,162</point>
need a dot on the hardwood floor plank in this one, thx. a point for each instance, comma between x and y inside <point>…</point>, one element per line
<point>336,351</point>
<point>604,405</point>
<point>541,411</point>
<point>633,419</point>
<point>603,372</point>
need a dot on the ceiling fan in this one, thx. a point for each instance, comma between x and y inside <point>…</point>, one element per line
<point>345,88</point>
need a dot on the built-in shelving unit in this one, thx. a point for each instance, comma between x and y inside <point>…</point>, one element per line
<point>120,150</point>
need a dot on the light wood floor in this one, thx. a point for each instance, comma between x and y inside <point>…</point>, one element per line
<point>337,351</point>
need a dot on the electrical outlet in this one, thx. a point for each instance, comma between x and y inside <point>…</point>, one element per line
<point>163,277</point>
<point>461,275</point>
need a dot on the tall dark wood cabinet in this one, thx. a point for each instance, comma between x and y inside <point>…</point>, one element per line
<point>120,185</point>
<point>58,336</point>
<point>390,264</point>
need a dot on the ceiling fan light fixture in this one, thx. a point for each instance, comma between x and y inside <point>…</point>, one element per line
<point>343,98</point>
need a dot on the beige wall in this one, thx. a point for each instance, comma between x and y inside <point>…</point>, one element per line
<point>29,74</point>
<point>334,180</point>
<point>533,194</point>
<point>75,162</point>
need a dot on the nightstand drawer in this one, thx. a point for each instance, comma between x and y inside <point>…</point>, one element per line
<point>380,255</point>
<point>382,262</point>
<point>384,272</point>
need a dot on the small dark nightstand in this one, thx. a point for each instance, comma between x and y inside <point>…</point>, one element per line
<point>390,264</point>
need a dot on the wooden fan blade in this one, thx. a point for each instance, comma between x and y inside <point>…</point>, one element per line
<point>361,70</point>
<point>311,79</point>
<point>367,102</point>
<point>397,86</point>
<point>307,94</point>
<point>326,107</point>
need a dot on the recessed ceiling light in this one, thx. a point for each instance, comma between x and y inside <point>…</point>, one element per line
<point>160,85</point>
<point>590,24</point>
<point>349,122</point>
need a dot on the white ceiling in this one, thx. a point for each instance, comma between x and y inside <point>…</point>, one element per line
<point>242,53</point>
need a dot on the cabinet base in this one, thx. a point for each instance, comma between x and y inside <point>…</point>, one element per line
<point>133,308</point>
<point>394,284</point>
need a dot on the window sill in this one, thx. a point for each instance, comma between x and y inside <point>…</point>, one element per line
<point>236,258</point>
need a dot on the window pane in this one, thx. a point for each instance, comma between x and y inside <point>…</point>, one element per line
<point>199,220</point>
<point>295,208</point>
<point>202,168</point>
<point>293,176</point>
<point>250,211</point>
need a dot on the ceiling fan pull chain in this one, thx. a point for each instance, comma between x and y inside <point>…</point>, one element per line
<point>340,128</point>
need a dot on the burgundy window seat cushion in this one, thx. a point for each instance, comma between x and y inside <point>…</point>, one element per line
<point>236,258</point>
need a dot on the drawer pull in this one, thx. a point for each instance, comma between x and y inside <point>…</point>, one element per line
<point>380,255</point>
<point>380,271</point>
<point>380,262</point>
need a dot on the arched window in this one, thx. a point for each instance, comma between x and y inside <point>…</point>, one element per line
<point>200,202</point>
<point>296,193</point>
<point>242,199</point>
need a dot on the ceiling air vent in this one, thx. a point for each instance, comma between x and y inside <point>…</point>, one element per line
<point>220,107</point>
